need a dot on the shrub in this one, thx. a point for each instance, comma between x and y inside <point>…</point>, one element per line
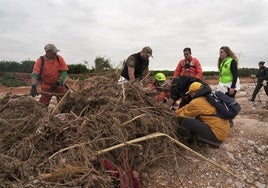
<point>11,80</point>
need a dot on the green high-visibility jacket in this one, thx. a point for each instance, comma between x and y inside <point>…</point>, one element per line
<point>226,75</point>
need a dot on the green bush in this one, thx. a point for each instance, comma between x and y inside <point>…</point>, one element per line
<point>11,80</point>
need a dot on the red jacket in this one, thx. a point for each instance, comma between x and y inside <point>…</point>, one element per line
<point>193,69</point>
<point>160,96</point>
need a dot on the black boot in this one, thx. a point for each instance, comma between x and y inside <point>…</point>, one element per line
<point>231,122</point>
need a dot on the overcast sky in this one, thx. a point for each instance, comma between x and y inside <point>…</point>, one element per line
<point>114,29</point>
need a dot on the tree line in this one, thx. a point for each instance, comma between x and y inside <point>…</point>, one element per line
<point>26,66</point>
<point>102,64</point>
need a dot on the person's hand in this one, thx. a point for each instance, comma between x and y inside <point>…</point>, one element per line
<point>264,83</point>
<point>55,86</point>
<point>33,90</point>
<point>231,91</point>
<point>174,107</point>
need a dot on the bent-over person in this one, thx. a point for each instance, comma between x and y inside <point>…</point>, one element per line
<point>199,120</point>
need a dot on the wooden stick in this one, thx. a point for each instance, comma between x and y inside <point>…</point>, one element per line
<point>124,94</point>
<point>145,76</point>
<point>61,101</point>
<point>65,149</point>
<point>147,137</point>
<point>127,122</point>
<point>154,135</point>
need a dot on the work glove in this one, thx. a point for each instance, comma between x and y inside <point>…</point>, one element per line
<point>55,86</point>
<point>34,90</point>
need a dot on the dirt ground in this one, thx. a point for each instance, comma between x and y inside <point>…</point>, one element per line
<point>244,154</point>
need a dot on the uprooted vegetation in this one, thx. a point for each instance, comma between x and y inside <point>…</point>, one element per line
<point>40,148</point>
<point>102,135</point>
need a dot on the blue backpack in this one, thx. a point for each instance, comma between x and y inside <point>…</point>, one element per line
<point>227,107</point>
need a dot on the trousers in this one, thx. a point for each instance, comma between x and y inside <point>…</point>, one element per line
<point>191,126</point>
<point>256,90</point>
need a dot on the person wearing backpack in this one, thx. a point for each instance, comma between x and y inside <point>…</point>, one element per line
<point>199,119</point>
<point>262,76</point>
<point>228,66</point>
<point>50,71</point>
<point>179,86</point>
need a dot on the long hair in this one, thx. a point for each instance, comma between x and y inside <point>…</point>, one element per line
<point>229,53</point>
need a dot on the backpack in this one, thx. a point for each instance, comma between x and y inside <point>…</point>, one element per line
<point>42,64</point>
<point>227,107</point>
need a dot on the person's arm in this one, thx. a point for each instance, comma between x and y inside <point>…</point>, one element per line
<point>265,73</point>
<point>234,71</point>
<point>177,70</point>
<point>63,76</point>
<point>131,71</point>
<point>36,71</point>
<point>131,68</point>
<point>34,77</point>
<point>146,71</point>
<point>189,110</point>
<point>199,71</point>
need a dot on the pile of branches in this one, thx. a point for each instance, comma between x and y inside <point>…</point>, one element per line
<point>86,142</point>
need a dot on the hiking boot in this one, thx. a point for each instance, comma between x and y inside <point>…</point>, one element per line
<point>188,140</point>
<point>215,144</point>
<point>231,122</point>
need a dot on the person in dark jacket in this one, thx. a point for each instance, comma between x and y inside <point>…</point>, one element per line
<point>136,65</point>
<point>180,85</point>
<point>262,76</point>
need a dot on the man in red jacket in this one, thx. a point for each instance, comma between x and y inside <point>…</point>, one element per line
<point>189,66</point>
<point>50,70</point>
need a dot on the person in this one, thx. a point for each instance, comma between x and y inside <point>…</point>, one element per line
<point>199,120</point>
<point>228,66</point>
<point>189,66</point>
<point>159,88</point>
<point>262,76</point>
<point>179,86</point>
<point>50,70</point>
<point>136,65</point>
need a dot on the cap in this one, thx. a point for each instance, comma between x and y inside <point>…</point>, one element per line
<point>261,62</point>
<point>51,47</point>
<point>148,50</point>
<point>195,86</point>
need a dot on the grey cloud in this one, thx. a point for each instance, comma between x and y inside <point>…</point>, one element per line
<point>115,29</point>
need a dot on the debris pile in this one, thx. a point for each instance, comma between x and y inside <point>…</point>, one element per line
<point>79,145</point>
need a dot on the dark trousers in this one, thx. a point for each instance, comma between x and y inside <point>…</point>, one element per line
<point>233,95</point>
<point>266,89</point>
<point>190,126</point>
<point>256,90</point>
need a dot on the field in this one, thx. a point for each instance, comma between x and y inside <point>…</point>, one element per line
<point>95,110</point>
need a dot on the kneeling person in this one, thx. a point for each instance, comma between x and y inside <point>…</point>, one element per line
<point>199,119</point>
<point>160,88</point>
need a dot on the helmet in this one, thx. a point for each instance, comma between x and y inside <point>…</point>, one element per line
<point>160,77</point>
